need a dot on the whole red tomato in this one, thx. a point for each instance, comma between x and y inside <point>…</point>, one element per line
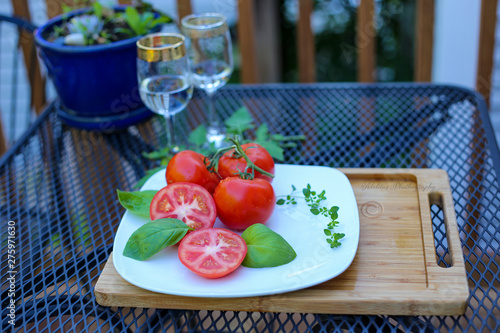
<point>241,202</point>
<point>191,167</point>
<point>230,166</point>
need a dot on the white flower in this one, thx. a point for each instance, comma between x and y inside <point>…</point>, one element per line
<point>85,24</point>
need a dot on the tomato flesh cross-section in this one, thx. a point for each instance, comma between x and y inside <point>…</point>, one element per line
<point>212,252</point>
<point>188,202</point>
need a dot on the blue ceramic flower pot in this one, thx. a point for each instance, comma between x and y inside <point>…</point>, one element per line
<point>97,85</point>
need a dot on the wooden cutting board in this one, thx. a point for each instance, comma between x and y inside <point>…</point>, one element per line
<point>395,271</point>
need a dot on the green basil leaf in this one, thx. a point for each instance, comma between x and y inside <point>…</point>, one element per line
<point>266,248</point>
<point>137,202</point>
<point>153,237</point>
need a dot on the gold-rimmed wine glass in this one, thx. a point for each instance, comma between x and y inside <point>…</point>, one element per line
<point>164,79</point>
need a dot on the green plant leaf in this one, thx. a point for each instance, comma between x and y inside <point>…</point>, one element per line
<point>262,133</point>
<point>137,202</point>
<point>145,23</point>
<point>133,18</point>
<point>281,137</point>
<point>240,121</point>
<point>273,148</point>
<point>161,20</point>
<point>147,18</point>
<point>338,236</point>
<point>66,8</point>
<point>125,31</point>
<point>198,136</point>
<point>266,248</point>
<point>153,237</point>
<point>157,154</point>
<point>97,8</point>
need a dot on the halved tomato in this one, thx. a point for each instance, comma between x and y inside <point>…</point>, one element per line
<point>188,202</point>
<point>213,252</point>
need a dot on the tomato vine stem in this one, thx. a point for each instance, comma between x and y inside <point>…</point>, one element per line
<point>238,149</point>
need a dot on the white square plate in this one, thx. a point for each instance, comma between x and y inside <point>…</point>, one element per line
<point>315,263</point>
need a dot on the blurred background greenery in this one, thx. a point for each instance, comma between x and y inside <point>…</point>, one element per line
<point>334,26</point>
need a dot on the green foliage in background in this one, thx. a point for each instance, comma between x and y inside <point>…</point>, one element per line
<point>334,22</point>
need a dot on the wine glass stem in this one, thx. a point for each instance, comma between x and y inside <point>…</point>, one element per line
<point>215,131</point>
<point>170,130</point>
<point>212,116</point>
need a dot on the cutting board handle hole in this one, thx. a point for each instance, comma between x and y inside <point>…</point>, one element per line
<point>440,230</point>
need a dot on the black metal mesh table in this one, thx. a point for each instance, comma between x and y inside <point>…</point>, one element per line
<point>57,189</point>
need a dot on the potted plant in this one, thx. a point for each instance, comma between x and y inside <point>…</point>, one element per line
<point>90,55</point>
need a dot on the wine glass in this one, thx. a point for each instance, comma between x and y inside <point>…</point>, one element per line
<point>163,74</point>
<point>210,62</point>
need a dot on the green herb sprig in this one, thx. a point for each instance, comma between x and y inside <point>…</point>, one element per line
<point>314,200</point>
<point>333,237</point>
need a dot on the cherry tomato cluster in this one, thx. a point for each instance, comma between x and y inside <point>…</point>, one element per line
<point>234,185</point>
